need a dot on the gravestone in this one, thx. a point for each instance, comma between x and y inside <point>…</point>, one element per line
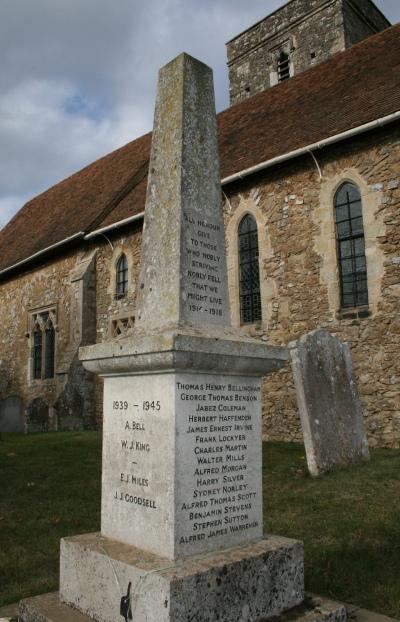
<point>12,414</point>
<point>330,409</point>
<point>37,415</point>
<point>181,517</point>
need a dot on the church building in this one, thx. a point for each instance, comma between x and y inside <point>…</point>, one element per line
<point>310,172</point>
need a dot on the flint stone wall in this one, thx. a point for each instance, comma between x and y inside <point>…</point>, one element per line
<point>293,208</point>
<point>68,285</point>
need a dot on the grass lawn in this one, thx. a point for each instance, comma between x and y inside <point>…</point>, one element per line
<point>349,520</point>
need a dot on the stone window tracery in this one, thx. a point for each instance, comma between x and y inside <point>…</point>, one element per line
<point>351,247</point>
<point>122,325</point>
<point>249,271</point>
<point>43,325</point>
<point>121,277</point>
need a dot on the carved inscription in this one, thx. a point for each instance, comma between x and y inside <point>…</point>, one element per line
<point>203,275</point>
<point>222,491</point>
<point>131,484</point>
<point>181,462</point>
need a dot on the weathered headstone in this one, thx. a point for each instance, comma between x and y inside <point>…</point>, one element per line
<point>181,518</point>
<point>12,414</point>
<point>37,415</point>
<point>330,409</point>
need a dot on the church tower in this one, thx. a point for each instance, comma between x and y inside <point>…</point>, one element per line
<point>297,36</point>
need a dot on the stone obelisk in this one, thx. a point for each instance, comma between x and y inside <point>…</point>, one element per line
<point>182,425</point>
<point>183,277</point>
<point>181,474</point>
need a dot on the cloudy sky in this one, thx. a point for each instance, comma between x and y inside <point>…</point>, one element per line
<point>78,77</point>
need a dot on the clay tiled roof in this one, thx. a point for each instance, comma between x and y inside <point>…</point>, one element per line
<point>352,88</point>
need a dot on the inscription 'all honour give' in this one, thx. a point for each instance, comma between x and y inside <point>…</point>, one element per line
<point>184,219</point>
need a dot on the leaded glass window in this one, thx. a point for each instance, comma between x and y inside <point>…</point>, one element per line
<point>351,247</point>
<point>122,277</point>
<point>249,271</point>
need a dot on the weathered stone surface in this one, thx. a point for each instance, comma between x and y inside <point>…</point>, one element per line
<point>315,609</point>
<point>37,415</point>
<point>293,209</point>
<point>182,462</point>
<point>329,405</point>
<point>74,406</point>
<point>67,285</point>
<point>356,614</point>
<point>183,269</point>
<point>181,348</point>
<point>48,608</point>
<point>10,612</point>
<point>160,491</point>
<point>239,584</point>
<point>182,416</point>
<point>12,417</point>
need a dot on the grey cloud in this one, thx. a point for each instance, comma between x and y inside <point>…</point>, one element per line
<point>78,77</point>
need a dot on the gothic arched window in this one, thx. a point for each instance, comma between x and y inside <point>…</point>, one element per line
<point>351,247</point>
<point>249,271</point>
<point>43,345</point>
<point>122,277</point>
<point>283,67</point>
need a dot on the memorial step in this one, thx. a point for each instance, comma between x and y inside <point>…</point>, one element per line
<point>47,608</point>
<point>259,579</point>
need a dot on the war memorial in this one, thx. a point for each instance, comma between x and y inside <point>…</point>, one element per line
<point>182,510</point>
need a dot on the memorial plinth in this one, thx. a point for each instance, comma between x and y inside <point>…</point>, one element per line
<point>182,440</point>
<point>181,517</point>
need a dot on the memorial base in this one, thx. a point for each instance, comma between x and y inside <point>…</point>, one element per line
<point>48,608</point>
<point>244,583</point>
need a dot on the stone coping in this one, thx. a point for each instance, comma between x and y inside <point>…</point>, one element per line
<point>182,349</point>
<point>185,566</point>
